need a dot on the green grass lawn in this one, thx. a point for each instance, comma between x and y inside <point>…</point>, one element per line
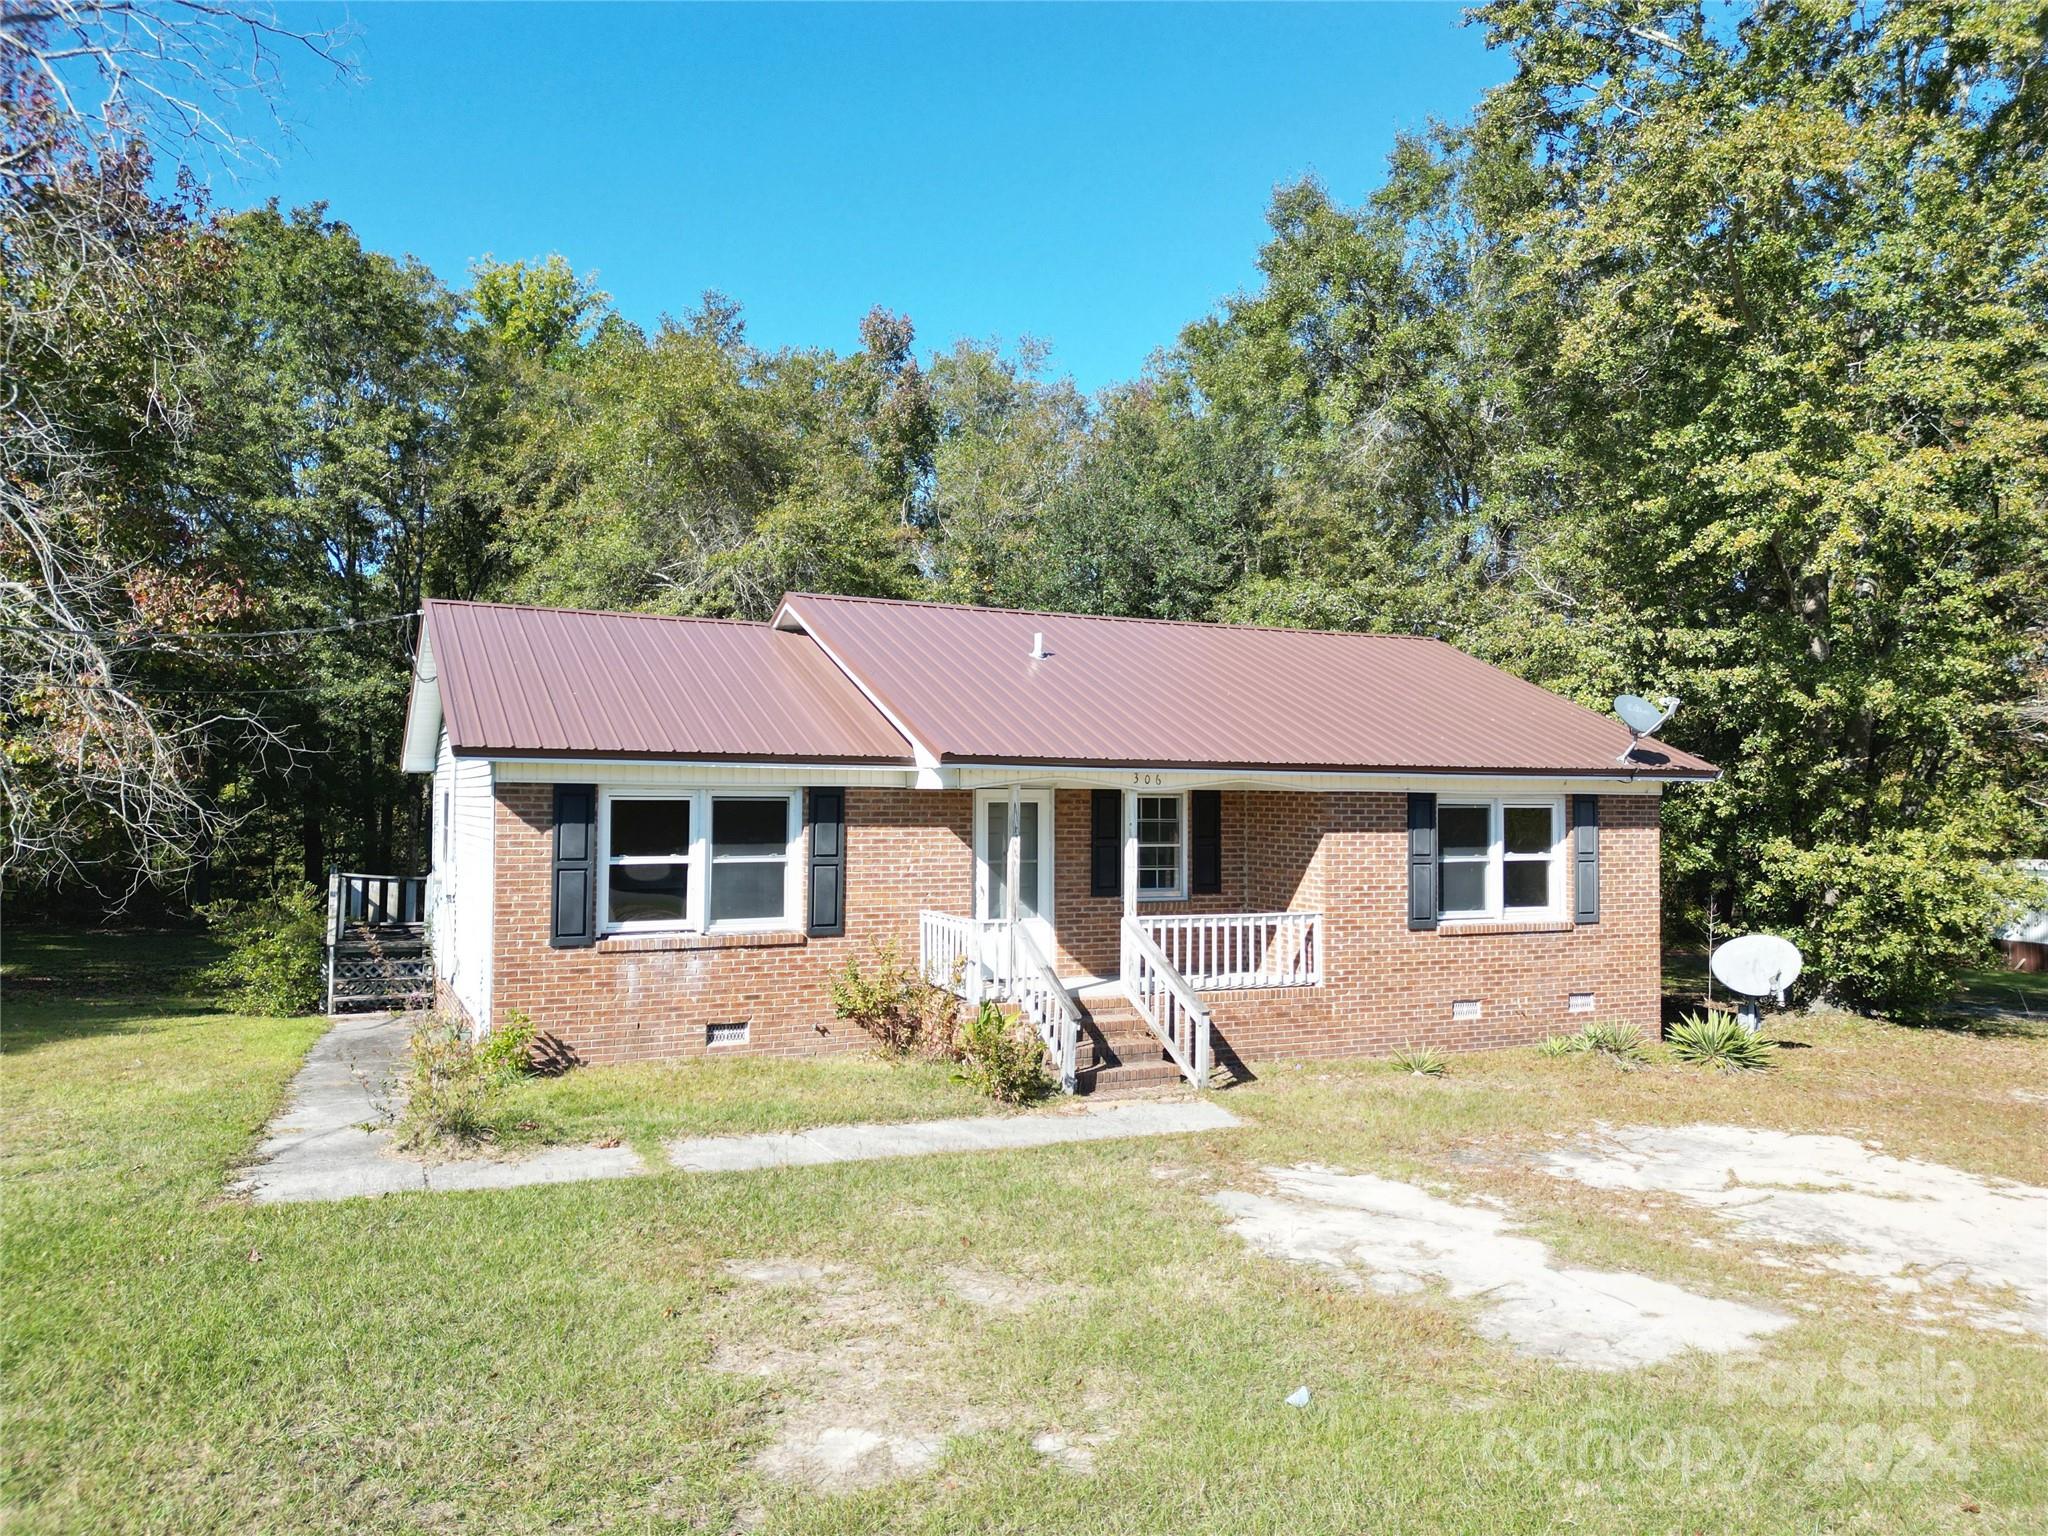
<point>651,1102</point>
<point>561,1358</point>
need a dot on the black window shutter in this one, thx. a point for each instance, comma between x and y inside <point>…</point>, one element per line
<point>575,891</point>
<point>828,863</point>
<point>1422,861</point>
<point>1205,842</point>
<point>1586,858</point>
<point>1106,843</point>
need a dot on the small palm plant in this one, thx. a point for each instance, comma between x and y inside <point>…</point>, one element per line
<point>1622,1043</point>
<point>1420,1060</point>
<point>1718,1041</point>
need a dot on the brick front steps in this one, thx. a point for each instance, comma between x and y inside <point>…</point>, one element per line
<point>1118,1053</point>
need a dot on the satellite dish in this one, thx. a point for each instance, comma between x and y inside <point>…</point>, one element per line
<point>1756,965</point>
<point>1642,717</point>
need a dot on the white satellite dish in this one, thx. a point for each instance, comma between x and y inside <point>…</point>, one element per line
<point>1642,717</point>
<point>1757,965</point>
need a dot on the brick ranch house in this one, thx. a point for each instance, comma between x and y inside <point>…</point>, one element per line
<point>1170,846</point>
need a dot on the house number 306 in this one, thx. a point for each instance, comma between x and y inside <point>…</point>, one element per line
<point>1148,778</point>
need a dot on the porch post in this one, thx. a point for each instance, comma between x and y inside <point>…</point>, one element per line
<point>1013,861</point>
<point>1130,881</point>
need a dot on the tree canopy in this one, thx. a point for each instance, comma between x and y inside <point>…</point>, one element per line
<point>1708,356</point>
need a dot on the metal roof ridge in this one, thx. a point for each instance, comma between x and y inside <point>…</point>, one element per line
<point>603,613</point>
<point>1112,618</point>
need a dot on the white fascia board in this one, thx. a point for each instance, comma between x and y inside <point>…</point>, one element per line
<point>787,618</point>
<point>990,775</point>
<point>422,712</point>
<point>511,768</point>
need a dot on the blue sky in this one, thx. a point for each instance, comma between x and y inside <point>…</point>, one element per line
<point>1093,176</point>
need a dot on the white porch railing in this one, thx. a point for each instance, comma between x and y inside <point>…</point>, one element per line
<point>1166,1001</point>
<point>1233,951</point>
<point>971,956</point>
<point>968,955</point>
<point>1049,1008</point>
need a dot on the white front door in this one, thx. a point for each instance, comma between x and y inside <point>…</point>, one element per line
<point>1034,861</point>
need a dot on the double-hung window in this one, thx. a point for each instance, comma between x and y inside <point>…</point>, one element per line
<point>1162,847</point>
<point>650,853</point>
<point>700,860</point>
<point>1500,857</point>
<point>750,842</point>
<point>1464,839</point>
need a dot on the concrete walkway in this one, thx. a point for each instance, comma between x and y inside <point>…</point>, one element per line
<point>983,1133</point>
<point>320,1149</point>
<point>332,1141</point>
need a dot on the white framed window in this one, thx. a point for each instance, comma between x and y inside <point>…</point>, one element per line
<point>1162,847</point>
<point>1464,858</point>
<point>714,861</point>
<point>753,850</point>
<point>650,854</point>
<point>1501,857</point>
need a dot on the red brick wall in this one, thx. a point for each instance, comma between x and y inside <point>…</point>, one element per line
<point>1086,926</point>
<point>1342,854</point>
<point>1386,987</point>
<point>653,995</point>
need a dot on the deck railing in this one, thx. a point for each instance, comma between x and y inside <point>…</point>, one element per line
<point>1232,951</point>
<point>377,951</point>
<point>375,901</point>
<point>1166,1001</point>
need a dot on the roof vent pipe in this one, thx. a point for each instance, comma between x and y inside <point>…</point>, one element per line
<point>1038,645</point>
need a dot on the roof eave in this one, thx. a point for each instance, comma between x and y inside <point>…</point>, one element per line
<point>1614,772</point>
<point>645,755</point>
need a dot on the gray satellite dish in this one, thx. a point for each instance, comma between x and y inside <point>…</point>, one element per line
<point>1642,717</point>
<point>1756,965</point>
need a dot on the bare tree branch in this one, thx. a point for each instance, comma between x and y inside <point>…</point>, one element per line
<point>97,773</point>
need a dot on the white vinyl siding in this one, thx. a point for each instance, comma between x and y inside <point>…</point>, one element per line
<point>463,878</point>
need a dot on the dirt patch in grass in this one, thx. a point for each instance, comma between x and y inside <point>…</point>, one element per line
<point>1402,1240</point>
<point>862,1399</point>
<point>992,1291</point>
<point>1945,1242</point>
<point>865,1391</point>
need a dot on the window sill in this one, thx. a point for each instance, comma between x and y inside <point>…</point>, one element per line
<point>641,943</point>
<point>1457,926</point>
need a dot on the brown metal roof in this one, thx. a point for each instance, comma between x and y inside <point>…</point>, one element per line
<point>1145,692</point>
<point>553,681</point>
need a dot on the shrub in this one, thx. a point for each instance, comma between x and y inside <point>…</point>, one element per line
<point>455,1082</point>
<point>450,1087</point>
<point>275,952</point>
<point>1621,1043</point>
<point>1001,1057</point>
<point>1890,922</point>
<point>1422,1061</point>
<point>1719,1041</point>
<point>897,1008</point>
<point>507,1051</point>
